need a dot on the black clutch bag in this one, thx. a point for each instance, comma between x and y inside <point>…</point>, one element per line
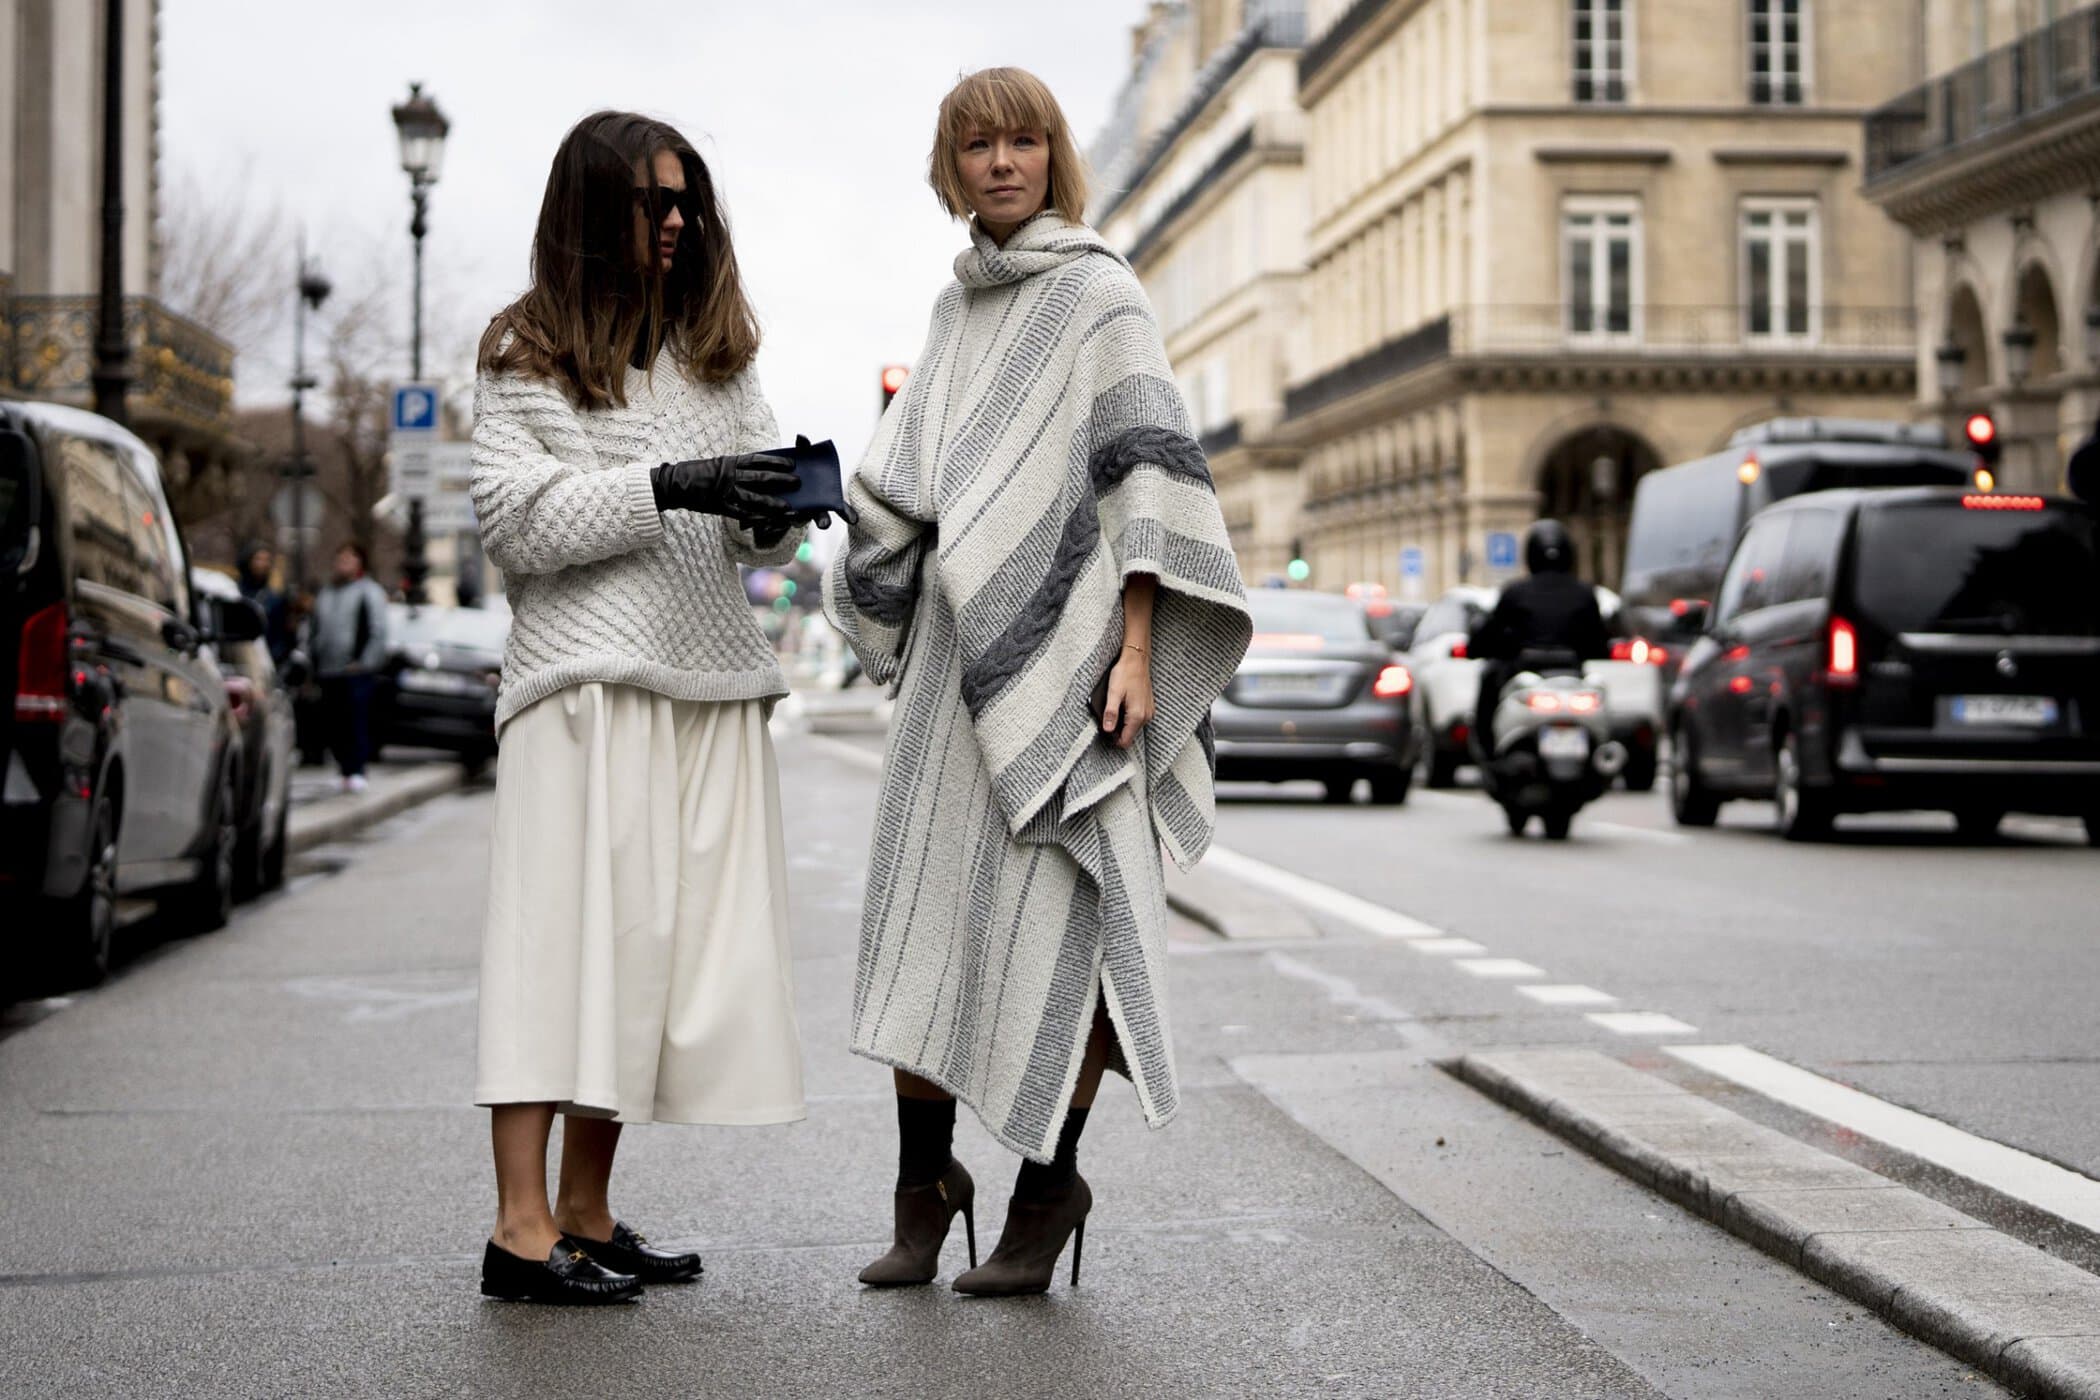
<point>823,487</point>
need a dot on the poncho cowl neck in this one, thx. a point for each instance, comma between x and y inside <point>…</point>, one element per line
<point>1043,243</point>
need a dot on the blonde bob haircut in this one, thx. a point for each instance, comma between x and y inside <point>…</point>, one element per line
<point>1005,99</point>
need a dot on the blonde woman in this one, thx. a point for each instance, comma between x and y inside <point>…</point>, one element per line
<point>1040,567</point>
<point>635,962</point>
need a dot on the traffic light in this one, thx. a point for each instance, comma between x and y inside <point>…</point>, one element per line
<point>805,552</point>
<point>1982,432</point>
<point>1298,569</point>
<point>893,377</point>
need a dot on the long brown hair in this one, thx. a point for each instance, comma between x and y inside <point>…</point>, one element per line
<point>592,301</point>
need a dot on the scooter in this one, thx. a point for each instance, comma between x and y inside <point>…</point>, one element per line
<point>1553,750</point>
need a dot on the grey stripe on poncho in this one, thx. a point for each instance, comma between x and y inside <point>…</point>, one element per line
<point>1039,454</point>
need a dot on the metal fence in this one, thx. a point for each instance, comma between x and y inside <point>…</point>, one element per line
<point>2041,71</point>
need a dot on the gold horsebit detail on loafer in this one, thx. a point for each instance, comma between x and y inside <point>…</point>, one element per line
<point>942,1187</point>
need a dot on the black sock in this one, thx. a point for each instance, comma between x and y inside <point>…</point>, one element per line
<point>925,1139</point>
<point>1039,1180</point>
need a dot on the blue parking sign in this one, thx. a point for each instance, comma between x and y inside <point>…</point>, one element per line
<point>1412,564</point>
<point>415,408</point>
<point>1502,550</point>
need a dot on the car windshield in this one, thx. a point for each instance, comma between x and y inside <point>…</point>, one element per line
<point>1933,566</point>
<point>1284,619</point>
<point>469,629</point>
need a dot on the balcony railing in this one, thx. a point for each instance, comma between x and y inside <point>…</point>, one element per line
<point>1652,332</point>
<point>2040,72</point>
<point>179,369</point>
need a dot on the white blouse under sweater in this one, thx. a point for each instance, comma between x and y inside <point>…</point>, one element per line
<point>603,586</point>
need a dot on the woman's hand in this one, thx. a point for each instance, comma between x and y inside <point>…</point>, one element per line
<point>746,486</point>
<point>1130,706</point>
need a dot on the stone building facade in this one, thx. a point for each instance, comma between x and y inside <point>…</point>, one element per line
<point>1547,246</point>
<point>51,55</point>
<point>1989,165</point>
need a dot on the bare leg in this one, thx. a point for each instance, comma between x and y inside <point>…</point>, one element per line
<point>587,1148</point>
<point>1096,1059</point>
<point>910,1086</point>
<point>524,1225</point>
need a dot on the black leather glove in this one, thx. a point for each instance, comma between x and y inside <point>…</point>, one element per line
<point>747,486</point>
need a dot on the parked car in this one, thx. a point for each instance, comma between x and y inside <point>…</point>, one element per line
<point>1686,518</point>
<point>122,755</point>
<point>1908,648</point>
<point>439,689</point>
<point>1318,696</point>
<point>1447,681</point>
<point>1395,623</point>
<point>262,710</point>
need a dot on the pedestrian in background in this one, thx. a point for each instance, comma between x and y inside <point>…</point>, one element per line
<point>349,648</point>
<point>1041,565</point>
<point>259,587</point>
<point>635,959</point>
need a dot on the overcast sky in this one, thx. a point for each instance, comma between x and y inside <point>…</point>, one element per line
<point>815,115</point>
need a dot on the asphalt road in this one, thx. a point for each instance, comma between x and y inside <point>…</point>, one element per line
<point>1949,977</point>
<point>248,1165</point>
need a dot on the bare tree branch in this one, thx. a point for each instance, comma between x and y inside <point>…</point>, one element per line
<point>227,260</point>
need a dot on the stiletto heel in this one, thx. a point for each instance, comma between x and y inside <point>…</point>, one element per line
<point>1078,1244</point>
<point>970,1230</point>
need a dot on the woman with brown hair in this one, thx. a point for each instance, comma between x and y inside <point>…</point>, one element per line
<point>1039,565</point>
<point>635,960</point>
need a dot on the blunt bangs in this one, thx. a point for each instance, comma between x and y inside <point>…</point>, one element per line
<point>1006,99</point>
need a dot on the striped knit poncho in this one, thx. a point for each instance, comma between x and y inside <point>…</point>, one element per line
<point>1039,454</point>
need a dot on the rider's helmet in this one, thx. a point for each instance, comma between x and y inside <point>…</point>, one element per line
<point>1548,549</point>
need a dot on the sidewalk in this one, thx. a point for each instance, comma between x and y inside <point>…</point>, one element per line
<point>323,812</point>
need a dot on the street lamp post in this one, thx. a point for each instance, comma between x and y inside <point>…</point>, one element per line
<point>112,352</point>
<point>313,289</point>
<point>421,128</point>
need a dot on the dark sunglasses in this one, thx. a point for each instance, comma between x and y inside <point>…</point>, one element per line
<point>657,202</point>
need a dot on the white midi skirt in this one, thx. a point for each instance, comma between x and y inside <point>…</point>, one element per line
<point>635,962</point>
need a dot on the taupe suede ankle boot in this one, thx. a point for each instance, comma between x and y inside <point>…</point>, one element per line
<point>924,1215</point>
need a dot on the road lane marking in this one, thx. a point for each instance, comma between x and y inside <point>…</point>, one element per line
<point>1499,967</point>
<point>1324,899</point>
<point>1348,996</point>
<point>1447,947</point>
<point>1639,1023</point>
<point>1642,833</point>
<point>1567,994</point>
<point>2044,1185</point>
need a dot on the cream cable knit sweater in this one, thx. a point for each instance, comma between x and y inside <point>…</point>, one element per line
<point>602,586</point>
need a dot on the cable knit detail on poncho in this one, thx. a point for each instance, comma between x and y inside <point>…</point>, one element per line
<point>602,586</point>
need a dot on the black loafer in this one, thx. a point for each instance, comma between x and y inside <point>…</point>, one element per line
<point>628,1252</point>
<point>567,1275</point>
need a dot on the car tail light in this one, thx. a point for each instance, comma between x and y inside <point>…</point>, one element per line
<point>1585,702</point>
<point>2002,503</point>
<point>240,693</point>
<point>1640,651</point>
<point>1458,651</point>
<point>40,675</point>
<point>1544,701</point>
<point>1392,683</point>
<point>1843,655</point>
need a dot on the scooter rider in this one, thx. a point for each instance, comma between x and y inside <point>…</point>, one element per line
<point>1552,610</point>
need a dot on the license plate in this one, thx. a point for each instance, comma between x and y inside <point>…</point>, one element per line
<point>1282,687</point>
<point>2003,711</point>
<point>1564,741</point>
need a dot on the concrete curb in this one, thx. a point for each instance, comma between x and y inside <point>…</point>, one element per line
<point>335,818</point>
<point>2021,1316</point>
<point>1232,908</point>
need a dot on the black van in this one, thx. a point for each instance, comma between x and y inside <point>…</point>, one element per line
<point>1874,650</point>
<point>1686,518</point>
<point>119,743</point>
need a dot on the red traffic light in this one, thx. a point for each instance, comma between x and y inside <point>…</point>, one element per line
<point>1981,431</point>
<point>893,377</point>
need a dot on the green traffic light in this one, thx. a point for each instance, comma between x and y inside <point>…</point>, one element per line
<point>781,604</point>
<point>804,552</point>
<point>1299,571</point>
<point>787,588</point>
